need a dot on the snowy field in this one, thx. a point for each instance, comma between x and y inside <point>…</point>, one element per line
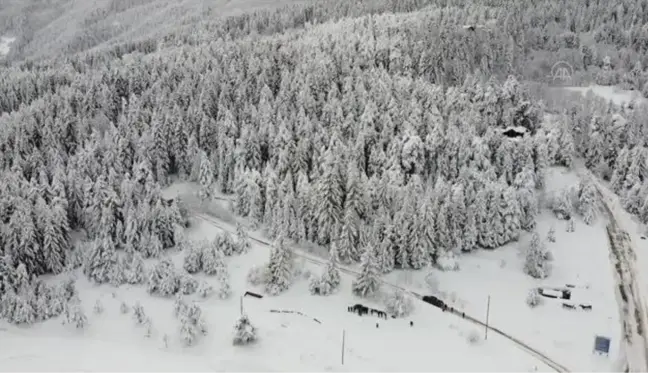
<point>616,95</point>
<point>5,45</point>
<point>288,342</point>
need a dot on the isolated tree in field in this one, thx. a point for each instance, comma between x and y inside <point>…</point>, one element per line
<point>213,260</point>
<point>279,275</point>
<point>330,279</point>
<point>368,281</point>
<point>399,304</point>
<point>536,263</point>
<point>244,332</point>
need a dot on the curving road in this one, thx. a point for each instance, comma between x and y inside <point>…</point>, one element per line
<point>318,261</point>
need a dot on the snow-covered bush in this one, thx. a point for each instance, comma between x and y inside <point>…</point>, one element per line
<point>448,261</point>
<point>587,201</point>
<point>399,304</point>
<point>534,298</point>
<point>179,306</point>
<point>205,289</point>
<point>224,289</point>
<point>242,240</point>
<point>138,314</point>
<point>329,282</point>
<point>98,307</point>
<point>257,275</point>
<point>474,337</point>
<point>192,262</point>
<point>192,325</point>
<point>551,234</point>
<point>135,271</point>
<point>123,308</point>
<point>569,227</point>
<point>561,205</point>
<point>188,284</point>
<point>244,332</point>
<point>75,315</point>
<point>227,245</point>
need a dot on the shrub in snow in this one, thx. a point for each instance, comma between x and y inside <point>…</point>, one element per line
<point>74,315</point>
<point>163,279</point>
<point>399,304</point>
<point>179,306</point>
<point>279,275</point>
<point>570,226</point>
<point>257,275</point>
<point>192,325</point>
<point>205,289</point>
<point>224,289</point>
<point>551,235</point>
<point>188,284</point>
<point>123,308</point>
<point>330,280</point>
<point>561,205</point>
<point>474,337</point>
<point>165,340</point>
<point>98,307</point>
<point>368,281</point>
<point>148,324</point>
<point>192,262</point>
<point>244,332</point>
<point>447,261</point>
<point>536,263</point>
<point>138,314</point>
<point>227,244</point>
<point>534,298</point>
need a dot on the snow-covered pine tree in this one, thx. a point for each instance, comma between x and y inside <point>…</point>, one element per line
<point>163,279</point>
<point>206,177</point>
<point>536,263</point>
<point>280,268</point>
<point>213,261</point>
<point>192,262</point>
<point>139,316</point>
<point>242,239</point>
<point>244,332</point>
<point>587,198</point>
<point>102,260</point>
<point>368,281</point>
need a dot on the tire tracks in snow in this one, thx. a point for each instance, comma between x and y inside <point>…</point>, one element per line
<point>320,262</point>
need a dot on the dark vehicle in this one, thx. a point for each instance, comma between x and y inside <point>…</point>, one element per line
<point>434,301</point>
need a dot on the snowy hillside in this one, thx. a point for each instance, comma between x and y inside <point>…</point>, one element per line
<point>287,342</point>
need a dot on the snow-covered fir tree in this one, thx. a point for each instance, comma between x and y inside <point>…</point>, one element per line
<point>368,281</point>
<point>279,275</point>
<point>244,332</point>
<point>536,262</point>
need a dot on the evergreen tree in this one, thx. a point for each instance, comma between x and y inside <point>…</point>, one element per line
<point>279,268</point>
<point>368,281</point>
<point>536,263</point>
<point>244,332</point>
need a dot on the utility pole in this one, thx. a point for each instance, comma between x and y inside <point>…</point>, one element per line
<point>343,338</point>
<point>487,314</point>
<point>241,305</point>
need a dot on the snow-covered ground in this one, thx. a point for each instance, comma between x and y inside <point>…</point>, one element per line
<point>288,342</point>
<point>5,45</point>
<point>616,95</point>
